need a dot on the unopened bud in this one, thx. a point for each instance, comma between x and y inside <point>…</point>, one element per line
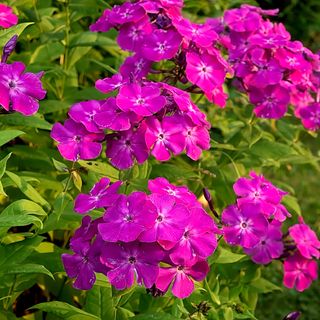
<point>8,48</point>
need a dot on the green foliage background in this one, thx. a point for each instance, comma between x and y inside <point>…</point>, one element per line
<point>37,186</point>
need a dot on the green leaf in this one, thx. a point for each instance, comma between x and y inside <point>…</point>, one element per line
<point>99,302</point>
<point>7,34</point>
<point>8,135</point>
<point>64,310</point>
<point>27,189</point>
<point>3,164</point>
<point>16,119</point>
<point>27,268</point>
<point>264,286</point>
<point>154,316</point>
<point>228,313</point>
<point>292,203</point>
<point>226,256</point>
<point>102,168</point>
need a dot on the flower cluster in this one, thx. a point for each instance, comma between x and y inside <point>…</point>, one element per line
<point>255,222</point>
<point>19,90</point>
<point>136,233</point>
<point>271,68</point>
<point>145,117</point>
<point>7,17</point>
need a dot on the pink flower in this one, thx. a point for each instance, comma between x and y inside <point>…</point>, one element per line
<point>169,223</point>
<point>242,20</point>
<point>107,85</point>
<point>7,17</point>
<point>310,116</point>
<point>299,272</point>
<point>111,117</point>
<point>161,45</point>
<point>143,101</point>
<point>244,225</point>
<point>127,218</point>
<point>306,240</point>
<point>103,24</point>
<point>20,91</point>
<point>84,112</point>
<point>101,195</point>
<point>126,146</point>
<point>165,136</point>
<point>127,12</point>
<point>205,71</point>
<point>182,275</point>
<point>75,142</point>
<point>136,66</point>
<point>129,259</point>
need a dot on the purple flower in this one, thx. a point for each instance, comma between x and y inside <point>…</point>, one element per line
<point>132,34</point>
<point>84,112</point>
<point>270,245</point>
<point>126,146</point>
<point>127,12</point>
<point>107,85</point>
<point>306,240</point>
<point>20,91</point>
<point>201,34</point>
<point>242,20</point>
<point>299,272</point>
<point>270,102</point>
<point>7,17</point>
<point>182,275</point>
<point>161,45</point>
<point>127,218</point>
<point>103,24</point>
<point>244,225</point>
<point>103,194</point>
<point>310,116</point>
<point>129,259</point>
<point>165,136</point>
<point>205,71</point>
<point>198,238</point>
<point>75,142</point>
<point>169,223</point>
<point>144,101</point>
<point>8,48</point>
<point>136,67</point>
<point>111,117</point>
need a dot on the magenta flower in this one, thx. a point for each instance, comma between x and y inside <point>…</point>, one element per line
<point>129,259</point>
<point>306,240</point>
<point>127,12</point>
<point>75,142</point>
<point>103,194</point>
<point>127,146</point>
<point>181,193</point>
<point>169,223</point>
<point>310,116</point>
<point>182,275</point>
<point>131,35</point>
<point>269,247</point>
<point>111,117</point>
<point>144,101</point>
<point>244,225</point>
<point>165,136</point>
<point>242,20</point>
<point>270,102</point>
<point>20,91</point>
<point>205,71</point>
<point>103,24</point>
<point>135,66</point>
<point>127,218</point>
<point>161,45</point>
<point>7,17</point>
<point>84,112</point>
<point>198,238</point>
<point>201,34</point>
<point>299,272</point>
<point>107,85</point>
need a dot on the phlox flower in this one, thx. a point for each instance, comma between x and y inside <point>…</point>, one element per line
<point>127,218</point>
<point>107,85</point>
<point>20,91</point>
<point>299,272</point>
<point>75,142</point>
<point>244,225</point>
<point>310,116</point>
<point>7,17</point>
<point>306,240</point>
<point>127,12</point>
<point>129,259</point>
<point>135,66</point>
<point>164,136</point>
<point>181,275</point>
<point>103,194</point>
